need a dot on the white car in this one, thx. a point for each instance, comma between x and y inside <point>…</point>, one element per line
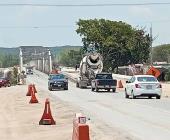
<point>143,85</point>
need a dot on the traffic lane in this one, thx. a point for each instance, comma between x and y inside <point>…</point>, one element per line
<point>122,113</point>
<point>162,105</point>
<point>115,110</point>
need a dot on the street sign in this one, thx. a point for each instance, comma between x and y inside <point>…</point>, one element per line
<point>153,71</point>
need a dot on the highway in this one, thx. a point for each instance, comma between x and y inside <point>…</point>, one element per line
<point>141,119</point>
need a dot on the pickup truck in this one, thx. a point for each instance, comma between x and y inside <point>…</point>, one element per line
<point>103,81</point>
<point>57,81</point>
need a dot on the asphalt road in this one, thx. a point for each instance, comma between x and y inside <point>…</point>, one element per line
<point>141,118</point>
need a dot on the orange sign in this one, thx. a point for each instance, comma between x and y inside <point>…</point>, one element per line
<point>153,71</point>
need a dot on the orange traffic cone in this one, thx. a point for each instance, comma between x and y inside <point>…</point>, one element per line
<point>29,90</point>
<point>120,85</point>
<point>35,90</point>
<point>33,97</point>
<point>47,118</point>
<point>80,128</point>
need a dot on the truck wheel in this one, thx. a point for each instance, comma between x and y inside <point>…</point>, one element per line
<point>77,85</point>
<point>97,89</point>
<point>158,97</point>
<point>92,89</point>
<point>66,88</point>
<point>114,90</point>
<point>50,88</point>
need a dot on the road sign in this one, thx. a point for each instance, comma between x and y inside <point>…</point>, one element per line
<point>153,71</point>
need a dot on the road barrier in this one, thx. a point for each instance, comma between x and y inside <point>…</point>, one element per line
<point>80,128</point>
<point>120,85</point>
<point>47,118</point>
<point>33,97</point>
<point>29,90</point>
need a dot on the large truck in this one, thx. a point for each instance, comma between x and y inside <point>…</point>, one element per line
<point>90,65</point>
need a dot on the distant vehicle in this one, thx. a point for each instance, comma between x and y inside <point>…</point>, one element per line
<point>4,82</point>
<point>143,85</point>
<point>57,81</point>
<point>103,81</point>
<point>29,70</point>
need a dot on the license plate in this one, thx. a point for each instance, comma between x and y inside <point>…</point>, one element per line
<point>59,85</point>
<point>149,86</point>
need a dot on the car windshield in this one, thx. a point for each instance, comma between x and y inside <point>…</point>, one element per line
<point>59,76</point>
<point>103,76</point>
<point>147,79</point>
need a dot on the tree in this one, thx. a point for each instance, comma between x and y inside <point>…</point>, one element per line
<point>8,60</point>
<point>118,42</point>
<point>70,58</point>
<point>161,53</point>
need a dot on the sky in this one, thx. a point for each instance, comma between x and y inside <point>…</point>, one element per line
<point>55,26</point>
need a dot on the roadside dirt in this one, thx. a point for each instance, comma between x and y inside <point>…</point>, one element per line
<point>19,119</point>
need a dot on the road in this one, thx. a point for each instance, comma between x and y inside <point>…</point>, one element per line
<point>140,118</point>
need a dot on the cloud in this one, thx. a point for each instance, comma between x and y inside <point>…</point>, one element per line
<point>138,11</point>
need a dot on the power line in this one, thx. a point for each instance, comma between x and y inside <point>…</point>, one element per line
<point>86,5</point>
<point>36,27</point>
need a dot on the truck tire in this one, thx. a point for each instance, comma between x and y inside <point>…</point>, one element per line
<point>96,89</point>
<point>158,97</point>
<point>50,88</point>
<point>114,89</point>
<point>92,89</point>
<point>77,84</point>
<point>66,88</point>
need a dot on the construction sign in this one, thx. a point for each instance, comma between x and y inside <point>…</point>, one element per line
<point>153,71</point>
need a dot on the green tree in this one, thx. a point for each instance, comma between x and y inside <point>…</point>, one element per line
<point>70,58</point>
<point>161,53</point>
<point>118,42</point>
<point>8,60</point>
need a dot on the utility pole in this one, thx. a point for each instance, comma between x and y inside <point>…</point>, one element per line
<point>21,60</point>
<point>43,63</point>
<point>151,49</point>
<point>38,64</point>
<point>50,60</point>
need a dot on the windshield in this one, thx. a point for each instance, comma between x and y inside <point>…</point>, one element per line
<point>147,79</point>
<point>59,76</point>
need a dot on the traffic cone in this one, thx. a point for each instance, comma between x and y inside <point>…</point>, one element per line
<point>29,90</point>
<point>80,128</point>
<point>33,97</point>
<point>120,85</point>
<point>47,118</point>
<point>35,90</point>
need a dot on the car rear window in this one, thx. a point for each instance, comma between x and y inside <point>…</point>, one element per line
<point>147,79</point>
<point>59,76</point>
<point>103,76</point>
